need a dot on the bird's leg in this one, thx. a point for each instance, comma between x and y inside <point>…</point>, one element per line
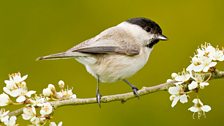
<point>98,95</point>
<point>134,89</point>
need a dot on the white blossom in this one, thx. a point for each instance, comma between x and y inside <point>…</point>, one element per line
<point>38,101</point>
<point>195,65</point>
<point>201,64</point>
<point>211,52</point>
<point>46,109</point>
<point>199,81</point>
<point>177,94</point>
<point>29,113</point>
<point>180,78</point>
<point>11,121</point>
<point>65,94</point>
<point>207,63</point>
<point>54,124</point>
<point>15,79</point>
<point>37,121</point>
<point>199,108</point>
<point>4,99</point>
<point>205,50</point>
<point>218,55</point>
<point>205,58</point>
<point>16,87</point>
<point>3,115</point>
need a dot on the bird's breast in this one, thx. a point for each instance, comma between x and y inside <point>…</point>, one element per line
<point>113,67</point>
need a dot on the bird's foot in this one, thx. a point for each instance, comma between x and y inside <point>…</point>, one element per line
<point>135,91</point>
<point>98,98</point>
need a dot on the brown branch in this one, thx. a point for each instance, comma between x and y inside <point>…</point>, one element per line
<point>117,97</point>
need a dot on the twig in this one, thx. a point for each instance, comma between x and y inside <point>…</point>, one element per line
<point>117,97</point>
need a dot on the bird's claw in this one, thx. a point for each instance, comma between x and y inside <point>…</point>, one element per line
<point>135,91</point>
<point>98,98</point>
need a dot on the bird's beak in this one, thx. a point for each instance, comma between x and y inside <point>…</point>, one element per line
<point>161,37</point>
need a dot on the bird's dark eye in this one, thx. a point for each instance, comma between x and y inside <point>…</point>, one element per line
<point>148,29</point>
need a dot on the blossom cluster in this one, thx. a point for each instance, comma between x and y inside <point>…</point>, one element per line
<point>38,109</point>
<point>195,77</point>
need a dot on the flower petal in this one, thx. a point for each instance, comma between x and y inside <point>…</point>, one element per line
<point>205,108</point>
<point>29,93</point>
<point>46,109</point>
<point>6,90</point>
<point>193,109</point>
<point>21,99</point>
<point>174,90</point>
<point>212,64</point>
<point>60,123</point>
<point>175,100</point>
<point>198,68</point>
<point>206,68</point>
<point>52,124</point>
<point>4,99</point>
<point>203,84</point>
<point>183,98</point>
<point>15,93</point>
<point>193,85</point>
<point>5,118</point>
<point>24,78</point>
<point>12,121</point>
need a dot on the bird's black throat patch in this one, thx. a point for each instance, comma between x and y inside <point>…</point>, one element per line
<point>152,43</point>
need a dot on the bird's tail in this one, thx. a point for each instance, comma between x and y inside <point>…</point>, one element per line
<point>62,55</point>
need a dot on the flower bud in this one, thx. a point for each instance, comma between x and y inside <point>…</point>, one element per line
<point>61,84</point>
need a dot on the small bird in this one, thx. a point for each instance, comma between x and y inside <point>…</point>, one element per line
<point>116,53</point>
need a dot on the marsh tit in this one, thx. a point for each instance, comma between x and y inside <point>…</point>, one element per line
<point>117,53</point>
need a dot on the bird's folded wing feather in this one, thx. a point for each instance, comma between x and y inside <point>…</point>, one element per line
<point>113,40</point>
<point>107,49</point>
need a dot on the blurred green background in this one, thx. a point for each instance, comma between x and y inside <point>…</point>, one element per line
<point>32,28</point>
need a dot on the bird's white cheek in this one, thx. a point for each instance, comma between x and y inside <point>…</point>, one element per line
<point>149,39</point>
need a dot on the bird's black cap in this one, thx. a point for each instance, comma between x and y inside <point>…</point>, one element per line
<point>146,24</point>
<point>149,26</point>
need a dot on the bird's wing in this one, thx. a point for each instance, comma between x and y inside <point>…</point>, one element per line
<point>113,40</point>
